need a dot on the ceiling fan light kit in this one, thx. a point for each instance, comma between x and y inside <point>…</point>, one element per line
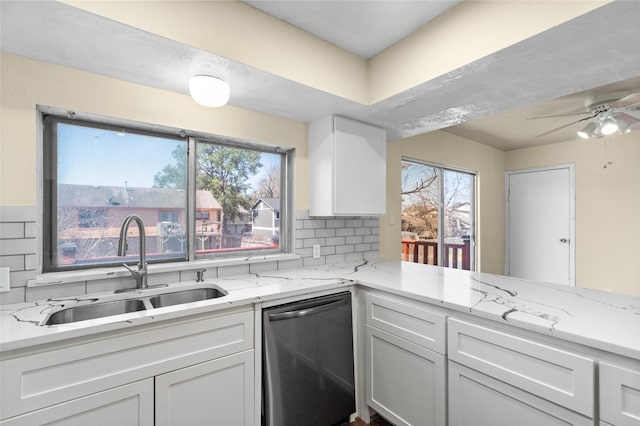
<point>610,112</point>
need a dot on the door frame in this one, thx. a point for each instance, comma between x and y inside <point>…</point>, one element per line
<point>572,214</point>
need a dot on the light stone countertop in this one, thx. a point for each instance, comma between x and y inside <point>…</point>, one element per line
<point>602,320</point>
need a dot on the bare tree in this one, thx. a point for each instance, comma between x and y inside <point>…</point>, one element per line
<point>269,183</point>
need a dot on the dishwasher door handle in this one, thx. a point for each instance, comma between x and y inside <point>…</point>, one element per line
<point>299,313</point>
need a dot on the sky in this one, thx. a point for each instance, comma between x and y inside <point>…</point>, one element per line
<point>87,156</point>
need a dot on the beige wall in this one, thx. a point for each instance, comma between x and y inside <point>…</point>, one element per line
<point>446,149</point>
<point>607,206</point>
<point>26,83</point>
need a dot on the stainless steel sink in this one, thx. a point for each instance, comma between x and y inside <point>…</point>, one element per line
<point>185,296</point>
<point>139,301</point>
<point>95,310</point>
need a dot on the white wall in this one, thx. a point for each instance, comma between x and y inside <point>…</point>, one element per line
<point>607,206</point>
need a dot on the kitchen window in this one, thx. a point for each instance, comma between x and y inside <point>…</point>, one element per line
<point>438,215</point>
<point>194,194</point>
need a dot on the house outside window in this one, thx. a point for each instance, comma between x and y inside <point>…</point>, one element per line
<point>97,173</point>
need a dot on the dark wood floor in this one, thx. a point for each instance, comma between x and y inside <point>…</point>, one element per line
<point>378,421</point>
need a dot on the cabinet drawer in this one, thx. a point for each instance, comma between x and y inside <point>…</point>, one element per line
<point>479,400</point>
<point>411,321</point>
<point>619,395</point>
<point>548,372</point>
<point>44,378</point>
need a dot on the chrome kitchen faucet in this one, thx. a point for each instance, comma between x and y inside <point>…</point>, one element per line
<point>140,274</point>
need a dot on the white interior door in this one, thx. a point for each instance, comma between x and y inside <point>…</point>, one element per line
<point>540,221</point>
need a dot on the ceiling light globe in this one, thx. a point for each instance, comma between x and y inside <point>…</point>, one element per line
<point>209,91</point>
<point>608,126</point>
<point>588,131</point>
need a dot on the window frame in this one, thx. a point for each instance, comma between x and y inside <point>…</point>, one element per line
<point>47,160</point>
<point>474,207</point>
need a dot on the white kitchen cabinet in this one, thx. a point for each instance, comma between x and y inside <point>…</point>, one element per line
<point>103,365</point>
<point>536,383</point>
<point>347,168</point>
<point>128,405</point>
<point>476,399</point>
<point>405,376</point>
<point>619,395</point>
<point>216,393</point>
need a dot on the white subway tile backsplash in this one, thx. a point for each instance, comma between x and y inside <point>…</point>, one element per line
<point>336,223</point>
<point>347,248</point>
<point>337,241</point>
<point>30,262</point>
<point>14,263</point>
<point>355,223</point>
<point>11,230</point>
<point>325,232</point>
<point>310,242</point>
<point>30,230</point>
<point>345,232</point>
<point>355,240</point>
<point>20,278</point>
<point>17,246</point>
<point>305,233</point>
<point>363,231</point>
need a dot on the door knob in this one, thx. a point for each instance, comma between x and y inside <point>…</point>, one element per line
<point>564,240</point>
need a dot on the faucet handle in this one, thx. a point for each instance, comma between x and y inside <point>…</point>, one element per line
<point>200,275</point>
<point>134,272</point>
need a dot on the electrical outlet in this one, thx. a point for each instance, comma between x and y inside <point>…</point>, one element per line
<point>4,280</point>
<point>316,251</point>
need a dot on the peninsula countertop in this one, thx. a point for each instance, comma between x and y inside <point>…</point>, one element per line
<point>602,320</point>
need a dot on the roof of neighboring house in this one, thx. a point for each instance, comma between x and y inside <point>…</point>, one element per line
<point>272,203</point>
<point>206,200</point>
<point>94,196</point>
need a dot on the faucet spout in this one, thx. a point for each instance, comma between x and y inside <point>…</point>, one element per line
<point>140,274</point>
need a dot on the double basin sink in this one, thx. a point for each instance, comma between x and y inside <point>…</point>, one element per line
<point>137,301</point>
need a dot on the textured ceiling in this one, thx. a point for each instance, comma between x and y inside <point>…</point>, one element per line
<point>596,49</point>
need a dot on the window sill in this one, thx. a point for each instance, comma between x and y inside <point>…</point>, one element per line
<point>56,278</point>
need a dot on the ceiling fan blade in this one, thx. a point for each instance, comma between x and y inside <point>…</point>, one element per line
<point>628,100</point>
<point>626,117</point>
<point>565,126</point>
<point>559,115</point>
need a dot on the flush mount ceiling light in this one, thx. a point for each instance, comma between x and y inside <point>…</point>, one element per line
<point>209,91</point>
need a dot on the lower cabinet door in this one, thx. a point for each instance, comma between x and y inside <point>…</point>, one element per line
<point>479,400</point>
<point>214,393</point>
<point>128,405</point>
<point>405,382</point>
<point>619,395</point>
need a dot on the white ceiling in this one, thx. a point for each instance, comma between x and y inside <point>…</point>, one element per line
<point>364,28</point>
<point>595,50</point>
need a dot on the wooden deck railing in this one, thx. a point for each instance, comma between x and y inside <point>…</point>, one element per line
<point>456,256</point>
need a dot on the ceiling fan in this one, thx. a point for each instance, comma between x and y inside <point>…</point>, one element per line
<point>613,112</point>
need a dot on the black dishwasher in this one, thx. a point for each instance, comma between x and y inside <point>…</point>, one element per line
<point>307,362</point>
